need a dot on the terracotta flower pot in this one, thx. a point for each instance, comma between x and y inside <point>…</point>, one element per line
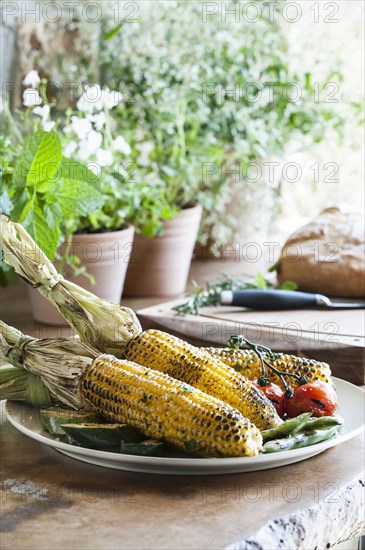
<point>105,256</point>
<point>160,266</point>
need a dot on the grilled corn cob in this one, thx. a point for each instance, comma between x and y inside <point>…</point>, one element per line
<point>123,392</point>
<point>164,408</point>
<point>247,362</point>
<point>161,351</point>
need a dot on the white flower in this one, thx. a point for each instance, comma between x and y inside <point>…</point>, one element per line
<point>91,99</point>
<point>32,79</point>
<point>98,120</point>
<point>121,145</point>
<point>1,105</point>
<point>89,145</point>
<point>104,157</point>
<point>152,179</point>
<point>48,126</point>
<point>95,168</point>
<point>94,139</point>
<point>31,97</point>
<point>111,98</point>
<point>145,149</point>
<point>84,105</point>
<point>43,112</point>
<point>70,149</point>
<point>267,96</point>
<point>81,126</point>
<point>84,153</point>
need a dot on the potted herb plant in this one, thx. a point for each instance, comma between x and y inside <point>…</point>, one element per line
<point>72,210</point>
<point>163,246</point>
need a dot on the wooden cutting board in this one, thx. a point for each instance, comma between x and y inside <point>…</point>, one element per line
<point>335,336</point>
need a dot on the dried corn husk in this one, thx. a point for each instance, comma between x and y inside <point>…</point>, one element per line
<point>13,382</point>
<point>18,384</point>
<point>57,363</point>
<point>105,326</point>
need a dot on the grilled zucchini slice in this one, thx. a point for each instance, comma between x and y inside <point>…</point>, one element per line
<point>150,447</point>
<point>101,436</point>
<point>53,418</point>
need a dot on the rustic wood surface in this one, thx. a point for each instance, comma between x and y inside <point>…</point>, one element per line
<point>52,501</point>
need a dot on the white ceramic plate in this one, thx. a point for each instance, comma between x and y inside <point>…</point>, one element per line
<point>351,404</point>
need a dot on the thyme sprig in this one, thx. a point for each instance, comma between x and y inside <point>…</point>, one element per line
<point>210,295</point>
<point>266,355</point>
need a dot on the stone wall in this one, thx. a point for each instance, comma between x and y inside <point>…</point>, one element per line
<point>61,45</point>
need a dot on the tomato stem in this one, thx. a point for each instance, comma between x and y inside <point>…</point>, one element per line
<point>237,341</point>
<point>263,381</point>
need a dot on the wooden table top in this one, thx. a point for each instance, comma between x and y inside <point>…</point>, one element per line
<point>52,501</point>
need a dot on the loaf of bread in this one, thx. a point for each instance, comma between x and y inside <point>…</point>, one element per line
<point>327,256</point>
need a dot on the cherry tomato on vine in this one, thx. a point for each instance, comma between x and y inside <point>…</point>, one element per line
<point>275,394</point>
<point>317,397</point>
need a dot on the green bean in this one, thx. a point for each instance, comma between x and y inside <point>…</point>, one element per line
<point>323,422</point>
<point>291,426</point>
<point>301,439</point>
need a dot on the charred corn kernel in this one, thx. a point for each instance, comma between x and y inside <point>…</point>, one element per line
<point>161,351</point>
<point>248,363</point>
<point>164,408</point>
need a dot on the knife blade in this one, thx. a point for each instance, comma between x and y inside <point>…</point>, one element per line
<point>276,299</point>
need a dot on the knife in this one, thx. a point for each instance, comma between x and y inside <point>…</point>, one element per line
<point>271,299</point>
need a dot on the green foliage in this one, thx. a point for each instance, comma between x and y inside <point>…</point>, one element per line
<point>38,162</point>
<point>127,200</point>
<point>75,194</point>
<point>42,188</point>
<point>214,91</point>
<point>129,196</point>
<point>54,195</point>
<point>113,32</point>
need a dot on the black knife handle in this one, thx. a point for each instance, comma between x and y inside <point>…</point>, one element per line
<point>273,299</point>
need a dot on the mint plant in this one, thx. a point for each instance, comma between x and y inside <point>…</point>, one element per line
<point>42,189</point>
<point>88,135</point>
<point>73,174</point>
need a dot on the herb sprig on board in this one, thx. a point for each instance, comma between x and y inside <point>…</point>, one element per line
<point>210,294</point>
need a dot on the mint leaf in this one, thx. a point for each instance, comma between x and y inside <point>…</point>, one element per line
<point>46,237</point>
<point>38,161</point>
<point>71,169</point>
<point>76,198</point>
<point>26,210</point>
<point>53,214</point>
<point>74,192</point>
<point>20,200</point>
